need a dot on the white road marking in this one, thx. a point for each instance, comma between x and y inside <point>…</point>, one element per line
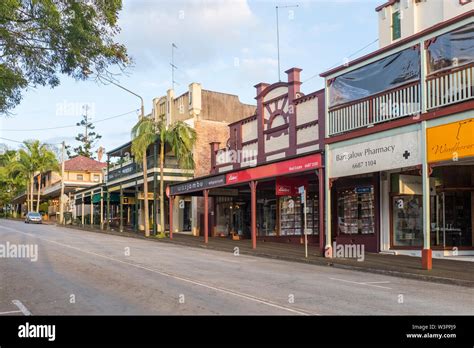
<point>21,307</point>
<point>360,283</point>
<point>177,277</point>
<point>10,312</point>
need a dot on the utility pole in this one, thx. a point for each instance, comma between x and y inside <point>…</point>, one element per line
<point>278,36</point>
<point>86,108</point>
<point>61,203</point>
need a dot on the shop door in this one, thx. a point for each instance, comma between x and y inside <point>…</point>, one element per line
<point>187,216</point>
<point>354,221</point>
<point>452,224</point>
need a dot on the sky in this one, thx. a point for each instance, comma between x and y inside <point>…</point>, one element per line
<point>226,45</point>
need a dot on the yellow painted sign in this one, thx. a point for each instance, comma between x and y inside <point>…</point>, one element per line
<point>451,141</point>
<point>141,195</point>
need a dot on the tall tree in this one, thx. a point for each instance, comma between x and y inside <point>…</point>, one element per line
<point>88,139</point>
<point>40,39</point>
<point>10,185</point>
<point>181,139</point>
<point>143,135</point>
<point>24,166</point>
<point>46,161</point>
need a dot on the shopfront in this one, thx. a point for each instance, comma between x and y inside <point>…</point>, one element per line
<point>450,154</point>
<point>358,171</point>
<point>376,189</point>
<point>262,202</point>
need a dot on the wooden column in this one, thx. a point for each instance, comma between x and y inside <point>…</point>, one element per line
<point>426,253</point>
<point>82,217</point>
<point>107,213</point>
<point>121,195</point>
<point>321,209</point>
<point>253,212</point>
<point>206,216</point>
<point>327,205</point>
<point>92,209</point>
<point>101,208</point>
<point>171,203</point>
<point>121,209</point>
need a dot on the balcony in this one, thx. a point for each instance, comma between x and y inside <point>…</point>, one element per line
<point>449,87</point>
<point>130,168</point>
<point>430,72</point>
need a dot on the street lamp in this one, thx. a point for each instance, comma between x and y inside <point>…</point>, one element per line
<point>142,107</point>
<point>142,115</point>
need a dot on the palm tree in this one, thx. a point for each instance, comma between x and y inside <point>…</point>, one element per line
<point>46,161</point>
<point>10,185</point>
<point>181,138</point>
<point>143,135</point>
<point>30,156</point>
<point>24,166</point>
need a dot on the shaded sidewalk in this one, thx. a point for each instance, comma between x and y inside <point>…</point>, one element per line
<point>445,271</point>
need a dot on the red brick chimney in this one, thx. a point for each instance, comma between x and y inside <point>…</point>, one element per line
<point>214,148</point>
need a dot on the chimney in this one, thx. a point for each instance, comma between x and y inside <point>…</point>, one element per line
<point>214,149</point>
<point>294,83</point>
<point>195,92</point>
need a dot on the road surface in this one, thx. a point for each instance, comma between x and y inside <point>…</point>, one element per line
<point>86,273</point>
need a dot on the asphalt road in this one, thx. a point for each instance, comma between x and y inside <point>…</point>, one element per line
<point>86,273</point>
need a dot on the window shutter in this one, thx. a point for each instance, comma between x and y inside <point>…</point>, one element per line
<point>396,30</point>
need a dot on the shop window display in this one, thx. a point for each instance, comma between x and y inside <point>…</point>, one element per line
<point>266,217</point>
<point>292,215</point>
<point>407,220</point>
<point>451,225</point>
<point>356,210</point>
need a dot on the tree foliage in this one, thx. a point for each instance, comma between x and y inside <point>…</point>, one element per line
<point>18,168</point>
<point>179,137</point>
<point>87,140</point>
<point>40,39</point>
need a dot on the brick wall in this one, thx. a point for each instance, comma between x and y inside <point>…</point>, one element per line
<point>207,132</point>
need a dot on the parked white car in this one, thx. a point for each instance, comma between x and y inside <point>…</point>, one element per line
<point>33,217</point>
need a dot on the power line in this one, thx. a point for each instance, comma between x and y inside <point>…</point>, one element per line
<point>349,56</point>
<point>69,126</point>
<point>22,142</point>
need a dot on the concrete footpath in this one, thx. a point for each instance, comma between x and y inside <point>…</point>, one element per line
<point>444,271</point>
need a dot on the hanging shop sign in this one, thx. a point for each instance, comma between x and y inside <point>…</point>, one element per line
<point>451,141</point>
<point>300,164</point>
<point>289,186</point>
<point>141,196</point>
<point>397,151</point>
<point>197,185</point>
<point>363,189</point>
<point>131,200</point>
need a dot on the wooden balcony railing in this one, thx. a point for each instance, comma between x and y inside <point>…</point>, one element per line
<point>131,167</point>
<point>381,107</point>
<point>449,87</point>
<point>442,89</point>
